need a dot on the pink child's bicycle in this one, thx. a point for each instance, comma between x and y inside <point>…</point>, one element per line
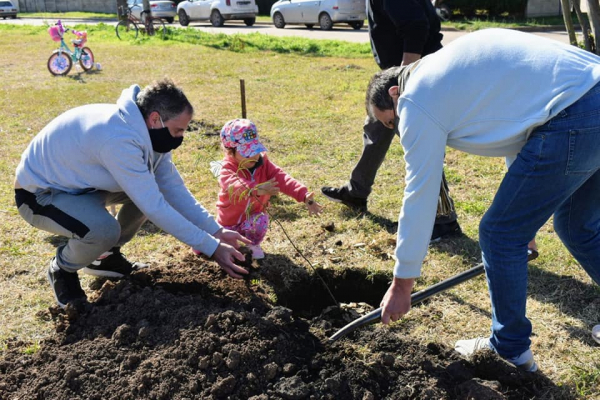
<point>62,59</point>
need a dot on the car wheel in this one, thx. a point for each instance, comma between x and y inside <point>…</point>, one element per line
<point>184,20</point>
<point>216,19</point>
<point>325,22</point>
<point>249,21</point>
<point>278,21</point>
<point>357,24</point>
<point>310,26</point>
<point>170,20</point>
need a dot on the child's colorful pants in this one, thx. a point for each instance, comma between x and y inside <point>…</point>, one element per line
<point>254,228</point>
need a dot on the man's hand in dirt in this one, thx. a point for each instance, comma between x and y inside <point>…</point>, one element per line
<point>269,187</point>
<point>232,238</point>
<point>225,256</point>
<point>396,301</point>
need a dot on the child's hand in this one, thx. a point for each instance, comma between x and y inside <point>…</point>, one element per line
<point>269,187</point>
<point>232,238</point>
<point>314,208</point>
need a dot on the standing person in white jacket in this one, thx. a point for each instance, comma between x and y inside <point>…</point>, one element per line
<point>500,93</point>
<point>99,155</point>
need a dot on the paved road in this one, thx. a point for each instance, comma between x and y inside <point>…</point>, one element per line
<point>339,32</point>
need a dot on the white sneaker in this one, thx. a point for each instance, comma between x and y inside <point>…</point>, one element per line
<point>596,333</point>
<point>523,361</point>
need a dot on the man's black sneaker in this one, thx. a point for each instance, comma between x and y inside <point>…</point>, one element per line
<point>65,285</point>
<point>442,231</point>
<point>113,265</point>
<point>341,195</point>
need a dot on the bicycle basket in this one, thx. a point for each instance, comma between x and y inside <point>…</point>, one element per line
<point>56,33</point>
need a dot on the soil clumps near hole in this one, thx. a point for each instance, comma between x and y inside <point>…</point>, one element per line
<point>187,331</point>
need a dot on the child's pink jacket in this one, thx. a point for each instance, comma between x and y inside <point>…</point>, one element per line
<point>233,195</point>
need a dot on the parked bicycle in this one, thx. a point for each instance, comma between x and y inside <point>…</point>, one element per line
<point>61,61</point>
<point>129,28</point>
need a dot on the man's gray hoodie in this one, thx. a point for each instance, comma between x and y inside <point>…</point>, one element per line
<point>107,147</point>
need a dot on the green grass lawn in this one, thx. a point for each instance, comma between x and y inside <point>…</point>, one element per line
<point>307,99</point>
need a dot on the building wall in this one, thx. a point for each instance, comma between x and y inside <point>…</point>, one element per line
<point>102,6</point>
<point>543,8</point>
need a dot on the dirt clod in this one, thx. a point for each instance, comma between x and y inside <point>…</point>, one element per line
<point>292,388</point>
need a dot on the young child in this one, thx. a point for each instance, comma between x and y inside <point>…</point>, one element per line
<point>248,180</point>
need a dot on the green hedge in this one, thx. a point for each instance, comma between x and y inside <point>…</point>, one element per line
<point>491,7</point>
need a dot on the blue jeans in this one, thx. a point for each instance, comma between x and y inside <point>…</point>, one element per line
<point>556,173</point>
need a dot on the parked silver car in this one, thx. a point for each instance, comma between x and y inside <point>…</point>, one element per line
<point>161,9</point>
<point>217,11</point>
<point>8,9</point>
<point>325,13</point>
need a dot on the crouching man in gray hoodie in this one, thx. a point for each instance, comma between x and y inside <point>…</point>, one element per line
<point>99,155</point>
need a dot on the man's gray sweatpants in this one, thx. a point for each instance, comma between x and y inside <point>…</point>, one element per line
<point>82,218</point>
<point>376,142</point>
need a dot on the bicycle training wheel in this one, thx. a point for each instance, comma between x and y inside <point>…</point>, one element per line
<point>126,30</point>
<point>87,59</point>
<point>159,27</point>
<point>59,63</point>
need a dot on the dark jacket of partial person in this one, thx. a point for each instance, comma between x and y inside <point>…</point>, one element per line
<point>398,26</point>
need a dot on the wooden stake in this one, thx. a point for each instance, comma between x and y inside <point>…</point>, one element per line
<point>243,93</point>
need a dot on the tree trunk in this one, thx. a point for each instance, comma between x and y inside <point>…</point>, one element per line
<point>594,15</point>
<point>146,18</point>
<point>122,9</point>
<point>585,25</point>
<point>566,11</point>
<point>146,4</point>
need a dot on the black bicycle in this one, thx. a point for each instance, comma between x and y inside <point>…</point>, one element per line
<point>129,28</point>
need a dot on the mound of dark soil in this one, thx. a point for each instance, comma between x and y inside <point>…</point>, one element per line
<point>187,331</point>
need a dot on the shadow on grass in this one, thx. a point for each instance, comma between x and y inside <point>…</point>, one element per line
<point>79,76</point>
<point>577,299</point>
<point>454,245</point>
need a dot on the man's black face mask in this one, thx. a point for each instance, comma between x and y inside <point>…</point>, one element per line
<point>162,141</point>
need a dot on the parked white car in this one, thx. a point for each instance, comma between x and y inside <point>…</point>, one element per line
<point>161,9</point>
<point>217,11</point>
<point>325,13</point>
<point>8,9</point>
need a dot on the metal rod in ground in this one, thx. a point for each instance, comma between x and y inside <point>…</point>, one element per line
<point>243,93</point>
<point>415,298</point>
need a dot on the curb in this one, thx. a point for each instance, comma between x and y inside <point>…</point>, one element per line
<point>547,28</point>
